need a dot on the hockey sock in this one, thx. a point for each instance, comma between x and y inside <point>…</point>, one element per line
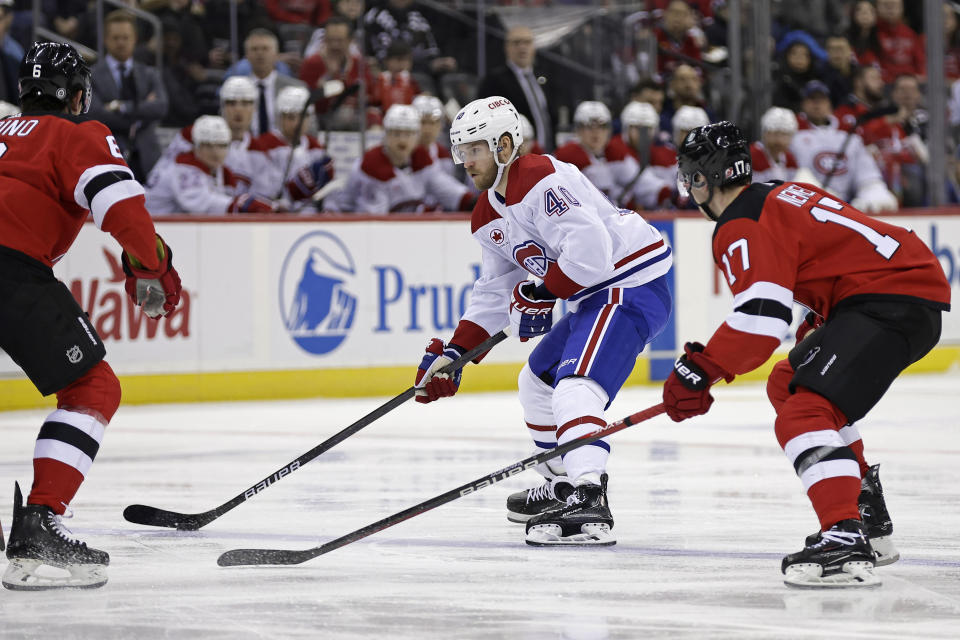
<point>851,436</point>
<point>578,404</point>
<point>535,398</point>
<point>65,450</point>
<point>808,429</point>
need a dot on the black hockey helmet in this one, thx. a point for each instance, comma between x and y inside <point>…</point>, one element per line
<point>55,70</point>
<point>714,155</point>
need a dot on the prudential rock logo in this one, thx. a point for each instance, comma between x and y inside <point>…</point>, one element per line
<point>315,299</point>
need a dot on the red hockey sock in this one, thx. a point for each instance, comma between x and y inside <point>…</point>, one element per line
<point>54,484</point>
<point>835,499</point>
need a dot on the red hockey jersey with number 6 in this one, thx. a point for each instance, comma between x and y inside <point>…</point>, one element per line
<point>53,170</point>
<point>780,242</point>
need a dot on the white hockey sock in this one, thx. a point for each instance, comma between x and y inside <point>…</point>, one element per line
<point>578,404</point>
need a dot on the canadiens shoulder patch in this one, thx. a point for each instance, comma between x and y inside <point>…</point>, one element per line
<point>525,173</point>
<point>483,213</point>
<point>377,165</point>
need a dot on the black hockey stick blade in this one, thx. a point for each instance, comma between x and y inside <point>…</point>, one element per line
<point>237,557</point>
<point>155,517</point>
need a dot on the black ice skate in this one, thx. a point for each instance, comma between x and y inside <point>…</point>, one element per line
<point>841,557</point>
<point>875,517</point>
<point>584,520</point>
<point>552,494</point>
<point>38,539</point>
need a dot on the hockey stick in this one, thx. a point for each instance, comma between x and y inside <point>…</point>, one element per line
<point>237,557</point>
<point>152,516</point>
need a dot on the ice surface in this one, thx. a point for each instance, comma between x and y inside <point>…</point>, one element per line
<point>704,511</point>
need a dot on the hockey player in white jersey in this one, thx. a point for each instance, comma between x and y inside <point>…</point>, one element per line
<point>400,175</point>
<point>431,126</point>
<point>199,182</point>
<point>538,217</point>
<point>293,180</point>
<point>608,163</point>
<point>641,124</point>
<point>854,177</point>
<point>771,156</point>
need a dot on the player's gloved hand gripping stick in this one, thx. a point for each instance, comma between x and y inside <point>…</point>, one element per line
<point>142,514</point>
<point>156,292</point>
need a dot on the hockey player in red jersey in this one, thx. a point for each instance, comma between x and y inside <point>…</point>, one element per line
<point>54,172</point>
<point>877,294</point>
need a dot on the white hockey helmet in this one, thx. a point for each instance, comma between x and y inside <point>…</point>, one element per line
<point>292,99</point>
<point>404,117</point>
<point>688,118</point>
<point>210,130</point>
<point>486,120</point>
<point>428,106</point>
<point>591,112</point>
<point>639,114</point>
<point>238,88</point>
<point>778,119</point>
<point>526,128</point>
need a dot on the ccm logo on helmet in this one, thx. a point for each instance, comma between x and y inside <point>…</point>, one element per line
<point>498,103</point>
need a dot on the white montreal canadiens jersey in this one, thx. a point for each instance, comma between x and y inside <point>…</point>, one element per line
<point>268,158</point>
<point>188,186</point>
<point>817,149</point>
<point>554,224</point>
<point>239,159</point>
<point>617,173</point>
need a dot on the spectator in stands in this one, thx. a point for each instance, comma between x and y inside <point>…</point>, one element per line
<point>862,34</point>
<point>867,94</point>
<point>262,49</point>
<point>9,58</point>
<point>432,123</point>
<point>608,163</point>
<point>198,181</point>
<point>399,175</point>
<point>951,42</point>
<point>215,19</point>
<point>293,178</point>
<point>838,71</point>
<point>395,84</point>
<point>898,142</point>
<point>178,14</point>
<point>852,176</point>
<point>349,10</point>
<point>816,17</point>
<point>181,77</point>
<point>519,83</point>
<point>650,91</point>
<point>128,96</point>
<point>299,11</point>
<point>8,44</point>
<point>679,33</point>
<point>771,156</point>
<point>903,50</point>
<point>336,60</point>
<point>65,17</point>
<point>795,70</point>
<point>686,89</point>
<point>398,20</point>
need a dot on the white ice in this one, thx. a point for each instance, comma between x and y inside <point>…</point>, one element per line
<point>704,512</point>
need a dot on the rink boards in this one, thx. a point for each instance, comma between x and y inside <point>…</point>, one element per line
<point>286,307</point>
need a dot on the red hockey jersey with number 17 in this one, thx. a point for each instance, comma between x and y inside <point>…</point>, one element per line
<point>780,242</point>
<point>53,170</point>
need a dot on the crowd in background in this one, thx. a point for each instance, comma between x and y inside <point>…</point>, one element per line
<point>836,61</point>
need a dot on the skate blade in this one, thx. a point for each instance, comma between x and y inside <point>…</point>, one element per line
<point>854,574</point>
<point>886,552</point>
<point>593,534</point>
<point>24,574</point>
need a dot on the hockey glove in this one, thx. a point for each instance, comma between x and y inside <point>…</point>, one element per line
<point>156,292</point>
<point>811,322</point>
<point>310,179</point>
<point>249,203</point>
<point>530,315</point>
<point>686,393</point>
<point>431,385</point>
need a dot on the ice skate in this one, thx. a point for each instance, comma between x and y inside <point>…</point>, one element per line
<point>552,494</point>
<point>43,554</point>
<point>584,520</point>
<point>875,517</point>
<point>840,558</point>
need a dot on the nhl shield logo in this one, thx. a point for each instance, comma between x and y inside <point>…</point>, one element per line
<point>532,257</point>
<point>74,355</point>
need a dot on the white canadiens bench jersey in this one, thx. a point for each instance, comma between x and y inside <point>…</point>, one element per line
<point>816,149</point>
<point>238,159</point>
<point>554,224</point>
<point>376,186</point>
<point>269,155</point>
<point>188,186</point>
<point>767,168</point>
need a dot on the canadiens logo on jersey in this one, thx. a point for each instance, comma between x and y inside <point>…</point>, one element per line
<point>825,161</point>
<point>532,257</point>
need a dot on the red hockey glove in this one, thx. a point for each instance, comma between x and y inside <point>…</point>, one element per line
<point>310,178</point>
<point>248,203</point>
<point>811,322</point>
<point>156,292</point>
<point>530,317</point>
<point>686,393</point>
<point>431,385</point>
